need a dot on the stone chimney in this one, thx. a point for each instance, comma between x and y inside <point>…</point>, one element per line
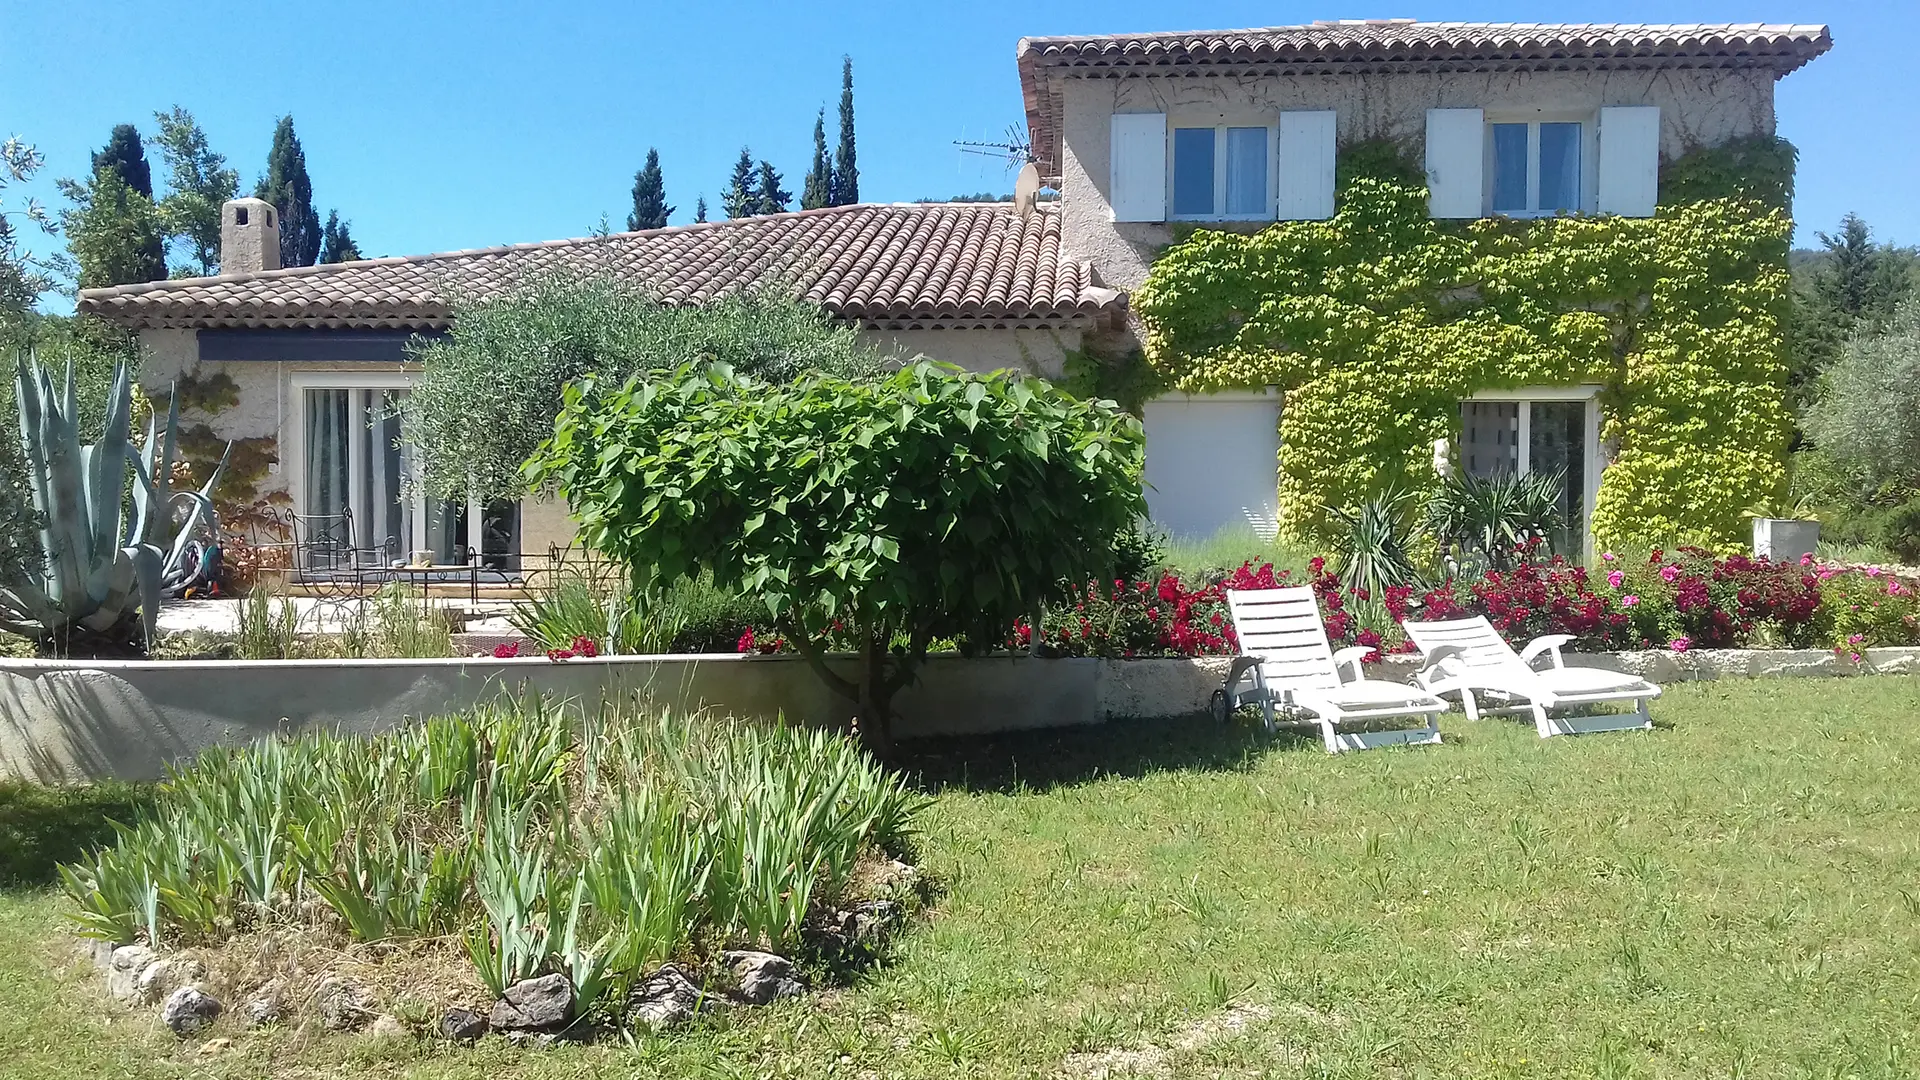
<point>249,237</point>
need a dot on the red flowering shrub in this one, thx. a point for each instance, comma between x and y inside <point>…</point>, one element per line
<point>506,650</point>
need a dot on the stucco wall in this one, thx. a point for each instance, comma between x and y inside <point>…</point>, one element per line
<point>1037,352</point>
<point>1697,108</point>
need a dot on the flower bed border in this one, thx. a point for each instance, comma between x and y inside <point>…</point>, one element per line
<point>65,721</point>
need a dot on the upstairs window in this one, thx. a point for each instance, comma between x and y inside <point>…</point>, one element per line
<point>1221,172</point>
<point>1536,168</point>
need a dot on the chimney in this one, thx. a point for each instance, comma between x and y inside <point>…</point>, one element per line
<point>249,237</point>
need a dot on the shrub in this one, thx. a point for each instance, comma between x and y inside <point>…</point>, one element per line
<point>930,504</point>
<point>545,845</point>
<point>1868,413</point>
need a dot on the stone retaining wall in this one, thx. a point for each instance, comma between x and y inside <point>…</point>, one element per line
<point>74,720</point>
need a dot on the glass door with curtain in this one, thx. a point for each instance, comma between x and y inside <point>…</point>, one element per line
<point>1528,437</point>
<point>357,467</point>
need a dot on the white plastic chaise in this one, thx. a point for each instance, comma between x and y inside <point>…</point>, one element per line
<point>1469,657</point>
<point>1284,650</point>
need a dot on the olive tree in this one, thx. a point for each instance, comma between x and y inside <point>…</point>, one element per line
<point>1868,414</point>
<point>927,504</point>
<point>491,387</point>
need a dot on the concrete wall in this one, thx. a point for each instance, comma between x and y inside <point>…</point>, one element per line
<point>1036,352</point>
<point>1697,108</point>
<point>66,721</point>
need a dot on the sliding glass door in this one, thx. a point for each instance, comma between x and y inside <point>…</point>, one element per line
<point>359,496</point>
<point>1528,436</point>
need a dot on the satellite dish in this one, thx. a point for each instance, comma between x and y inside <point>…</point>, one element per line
<point>1026,191</point>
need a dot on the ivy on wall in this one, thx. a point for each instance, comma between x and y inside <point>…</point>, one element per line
<point>1377,322</point>
<point>237,497</point>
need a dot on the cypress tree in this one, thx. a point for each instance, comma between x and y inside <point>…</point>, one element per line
<point>336,242</point>
<point>290,190</point>
<point>650,209</point>
<point>773,200</point>
<point>846,170</point>
<point>818,190</point>
<point>128,158</point>
<point>741,198</point>
<point>700,210</point>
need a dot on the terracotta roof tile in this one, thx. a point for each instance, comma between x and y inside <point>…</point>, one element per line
<point>896,266</point>
<point>1372,45</point>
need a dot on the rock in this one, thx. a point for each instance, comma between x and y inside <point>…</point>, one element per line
<point>463,1025</point>
<point>541,1004</point>
<point>214,1047</point>
<point>97,952</point>
<point>665,998</point>
<point>897,877</point>
<point>125,968</point>
<point>763,976</point>
<point>162,977</point>
<point>385,1026</point>
<point>343,1005</point>
<point>262,1011</point>
<point>189,1010</point>
<point>856,926</point>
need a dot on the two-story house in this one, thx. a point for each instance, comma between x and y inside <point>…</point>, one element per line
<point>1140,134</point>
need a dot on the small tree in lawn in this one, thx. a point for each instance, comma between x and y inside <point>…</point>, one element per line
<point>931,503</point>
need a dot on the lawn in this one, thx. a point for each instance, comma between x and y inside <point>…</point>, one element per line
<point>1734,895</point>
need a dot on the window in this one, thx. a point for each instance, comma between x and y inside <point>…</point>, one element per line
<point>1221,172</point>
<point>1536,167</point>
<point>1553,432</point>
<point>1193,172</point>
<point>354,467</point>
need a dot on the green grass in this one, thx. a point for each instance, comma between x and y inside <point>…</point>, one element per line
<point>1228,548</point>
<point>1736,894</point>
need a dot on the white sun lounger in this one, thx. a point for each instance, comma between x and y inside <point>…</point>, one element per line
<point>1468,656</point>
<point>1284,649</point>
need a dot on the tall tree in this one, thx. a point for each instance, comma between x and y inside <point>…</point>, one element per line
<point>336,241</point>
<point>846,170</point>
<point>113,231</point>
<point>198,182</point>
<point>1861,280</point>
<point>290,190</point>
<point>650,209</point>
<point>742,195</point>
<point>700,210</point>
<point>22,277</point>
<point>818,190</point>
<point>773,198</point>
<point>126,157</point>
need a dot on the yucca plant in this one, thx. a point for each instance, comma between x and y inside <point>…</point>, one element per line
<point>1496,517</point>
<point>96,567</point>
<point>1376,549</point>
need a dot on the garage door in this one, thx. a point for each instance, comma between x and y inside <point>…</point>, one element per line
<point>1212,461</point>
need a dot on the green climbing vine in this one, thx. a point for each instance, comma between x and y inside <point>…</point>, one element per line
<point>1377,322</point>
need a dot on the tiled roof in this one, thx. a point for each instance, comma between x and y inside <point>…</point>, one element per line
<point>899,266</point>
<point>1400,45</point>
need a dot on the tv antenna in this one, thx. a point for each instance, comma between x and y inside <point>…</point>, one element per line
<point>1015,149</point>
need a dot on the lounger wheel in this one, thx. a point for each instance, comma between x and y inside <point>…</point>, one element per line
<point>1218,707</point>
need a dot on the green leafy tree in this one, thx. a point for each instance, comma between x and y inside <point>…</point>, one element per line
<point>700,210</point>
<point>22,278</point>
<point>650,209</point>
<point>742,195</point>
<point>125,155</point>
<point>773,198</point>
<point>1851,284</point>
<point>818,189</point>
<point>491,388</point>
<point>932,503</point>
<point>115,233</point>
<point>336,241</point>
<point>198,183</point>
<point>1868,414</point>
<point>846,169</point>
<point>290,190</point>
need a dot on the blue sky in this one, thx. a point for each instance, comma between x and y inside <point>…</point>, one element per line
<point>436,126</point>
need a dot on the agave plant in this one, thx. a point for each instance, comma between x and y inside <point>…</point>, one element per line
<point>95,565</point>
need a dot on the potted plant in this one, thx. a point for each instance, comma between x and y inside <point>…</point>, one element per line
<point>1784,529</point>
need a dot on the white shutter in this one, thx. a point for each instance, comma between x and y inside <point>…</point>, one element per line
<point>1306,166</point>
<point>1456,159</point>
<point>1138,186</point>
<point>1629,160</point>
